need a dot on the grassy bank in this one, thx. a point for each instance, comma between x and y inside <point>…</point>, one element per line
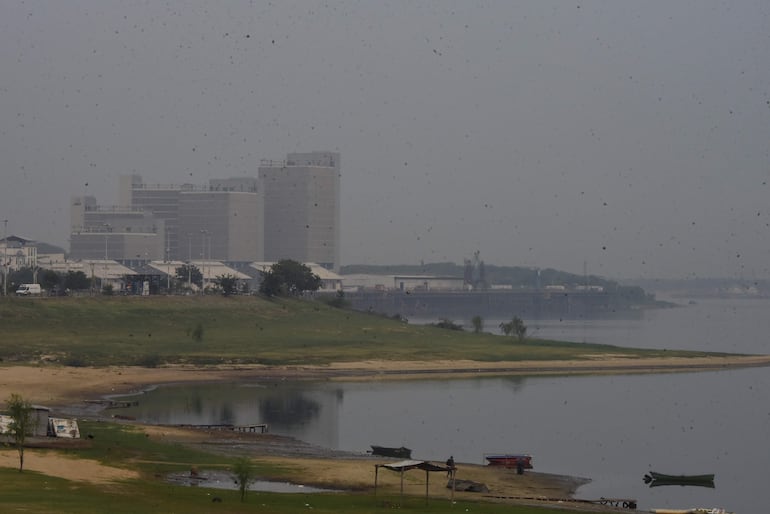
<point>150,331</point>
<point>129,448</point>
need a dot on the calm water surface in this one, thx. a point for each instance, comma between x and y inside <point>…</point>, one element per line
<point>612,429</point>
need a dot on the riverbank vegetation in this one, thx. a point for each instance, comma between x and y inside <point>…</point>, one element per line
<point>209,330</point>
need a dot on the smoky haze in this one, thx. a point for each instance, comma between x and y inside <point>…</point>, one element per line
<point>629,138</point>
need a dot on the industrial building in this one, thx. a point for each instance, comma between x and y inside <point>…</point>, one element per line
<point>223,222</point>
<point>290,210</point>
<point>302,208</point>
<point>121,232</point>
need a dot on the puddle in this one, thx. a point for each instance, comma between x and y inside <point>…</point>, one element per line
<point>224,480</point>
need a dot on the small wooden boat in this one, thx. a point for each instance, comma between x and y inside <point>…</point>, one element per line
<point>690,511</point>
<point>510,460</point>
<point>655,479</point>
<point>386,451</point>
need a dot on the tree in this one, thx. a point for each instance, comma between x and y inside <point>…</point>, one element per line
<point>189,273</point>
<point>288,277</point>
<point>197,333</point>
<point>21,276</point>
<point>447,324</point>
<point>76,280</point>
<point>516,327</point>
<point>21,423</point>
<point>49,279</point>
<point>478,324</point>
<point>228,283</point>
<point>338,301</point>
<point>244,473</point>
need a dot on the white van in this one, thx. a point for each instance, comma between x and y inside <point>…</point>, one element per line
<point>29,289</point>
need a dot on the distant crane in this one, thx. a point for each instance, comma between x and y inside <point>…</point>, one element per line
<point>475,273</point>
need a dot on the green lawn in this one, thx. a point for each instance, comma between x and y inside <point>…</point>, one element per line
<point>150,331</point>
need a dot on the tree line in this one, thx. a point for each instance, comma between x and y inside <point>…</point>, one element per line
<point>284,278</point>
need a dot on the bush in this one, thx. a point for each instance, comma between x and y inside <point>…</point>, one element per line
<point>338,301</point>
<point>447,324</point>
<point>148,361</point>
<point>197,333</point>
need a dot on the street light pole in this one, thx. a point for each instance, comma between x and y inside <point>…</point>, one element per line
<point>203,258</point>
<point>5,258</point>
<point>189,261</point>
<point>106,238</point>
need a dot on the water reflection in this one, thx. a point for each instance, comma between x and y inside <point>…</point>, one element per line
<point>515,383</point>
<point>290,409</point>
<point>287,408</point>
<point>216,479</point>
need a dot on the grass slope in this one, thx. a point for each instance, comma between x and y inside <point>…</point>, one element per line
<point>150,331</point>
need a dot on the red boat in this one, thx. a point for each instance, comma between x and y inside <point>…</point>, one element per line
<point>510,460</point>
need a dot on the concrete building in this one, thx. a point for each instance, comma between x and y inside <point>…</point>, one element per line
<point>121,232</point>
<point>220,221</point>
<point>107,244</point>
<point>17,252</point>
<point>302,208</point>
<point>162,201</point>
<point>223,222</point>
<point>291,211</point>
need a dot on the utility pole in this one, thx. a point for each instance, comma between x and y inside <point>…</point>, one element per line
<point>106,238</point>
<point>5,258</point>
<point>204,233</point>
<point>189,261</point>
<point>168,261</point>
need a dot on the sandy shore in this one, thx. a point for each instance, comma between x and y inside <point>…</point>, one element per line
<point>331,469</point>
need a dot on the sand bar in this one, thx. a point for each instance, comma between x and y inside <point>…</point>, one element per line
<point>56,386</point>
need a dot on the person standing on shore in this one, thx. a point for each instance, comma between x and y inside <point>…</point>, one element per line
<point>450,464</point>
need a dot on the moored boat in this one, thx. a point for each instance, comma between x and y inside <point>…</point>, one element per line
<point>510,460</point>
<point>655,479</point>
<point>707,477</point>
<point>691,511</point>
<point>387,451</point>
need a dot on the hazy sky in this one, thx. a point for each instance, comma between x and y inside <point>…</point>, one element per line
<point>633,137</point>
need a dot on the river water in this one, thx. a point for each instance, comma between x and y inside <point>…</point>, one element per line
<point>611,429</point>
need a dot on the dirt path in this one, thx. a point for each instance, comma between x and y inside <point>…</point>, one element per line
<point>54,464</point>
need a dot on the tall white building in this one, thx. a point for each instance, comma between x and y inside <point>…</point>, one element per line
<point>302,208</point>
